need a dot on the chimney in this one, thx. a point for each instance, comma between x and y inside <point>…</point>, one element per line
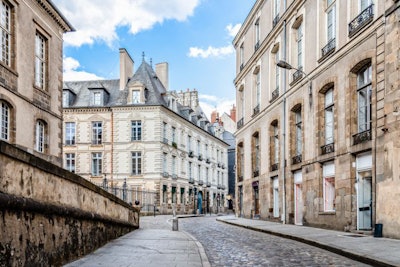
<point>233,113</point>
<point>126,65</point>
<point>214,116</point>
<point>162,74</point>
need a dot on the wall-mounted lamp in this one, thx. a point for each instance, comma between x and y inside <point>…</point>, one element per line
<point>284,65</point>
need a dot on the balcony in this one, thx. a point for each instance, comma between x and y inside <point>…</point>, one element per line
<point>241,66</point>
<point>297,76</point>
<point>191,154</point>
<point>275,94</point>
<point>256,110</point>
<point>165,174</point>
<point>274,167</point>
<point>365,17</point>
<point>200,157</point>
<point>219,186</point>
<point>256,173</point>
<point>256,46</point>
<point>240,178</point>
<point>362,137</point>
<point>208,184</point>
<point>326,149</point>
<point>165,141</point>
<point>191,181</point>
<point>297,159</point>
<point>201,182</point>
<point>174,177</point>
<point>328,49</point>
<point>240,123</point>
<point>275,21</point>
<point>223,187</point>
<point>208,161</point>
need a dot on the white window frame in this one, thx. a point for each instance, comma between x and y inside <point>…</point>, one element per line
<point>276,144</point>
<point>5,121</point>
<point>363,4</point>
<point>275,194</point>
<point>299,41</point>
<point>165,162</point>
<point>136,130</point>
<point>5,32</point>
<point>97,163</point>
<point>173,165</point>
<point>40,136</point>
<point>364,92</point>
<point>97,132</point>
<point>277,71</point>
<point>329,117</point>
<point>277,7</point>
<point>299,132</point>
<point>70,133</point>
<point>70,162</point>
<point>257,31</point>
<point>136,97</point>
<point>136,162</point>
<point>258,87</point>
<point>40,61</point>
<point>331,20</point>
<point>328,173</point>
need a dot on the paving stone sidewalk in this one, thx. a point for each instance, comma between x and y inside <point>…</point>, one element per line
<point>367,249</point>
<point>153,244</point>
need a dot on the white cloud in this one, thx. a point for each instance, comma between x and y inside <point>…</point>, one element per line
<point>233,30</point>
<point>211,51</point>
<point>212,103</point>
<point>72,72</point>
<point>97,20</point>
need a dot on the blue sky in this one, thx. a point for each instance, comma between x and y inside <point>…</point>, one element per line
<point>193,36</point>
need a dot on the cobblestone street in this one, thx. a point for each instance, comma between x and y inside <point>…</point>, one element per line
<point>228,245</point>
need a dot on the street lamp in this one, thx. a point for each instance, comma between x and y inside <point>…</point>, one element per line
<point>284,65</point>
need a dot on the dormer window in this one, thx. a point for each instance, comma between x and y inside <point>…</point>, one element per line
<point>135,96</point>
<point>98,96</point>
<point>68,98</point>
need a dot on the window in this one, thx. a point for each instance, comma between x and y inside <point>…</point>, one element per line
<point>70,133</point>
<point>5,121</point>
<point>207,174</point>
<point>173,194</point>
<point>97,133</point>
<point>173,165</point>
<point>5,28</point>
<point>136,130</point>
<point>189,143</point>
<point>299,135</point>
<point>277,71</point>
<point>206,149</point>
<point>275,195</point>
<point>328,170</point>
<point>65,99</point>
<point>300,47</point>
<point>40,136</point>
<point>241,56</point>
<point>136,163</point>
<point>364,4</point>
<point>40,61</point>
<point>198,148</point>
<point>190,170</point>
<point>135,96</point>
<point>182,196</point>
<point>330,20</point>
<point>258,88</point>
<point>257,34</point>
<point>164,194</point>
<point>165,140</point>
<point>70,162</point>
<point>165,162</point>
<point>240,162</point>
<point>97,160</point>
<point>277,6</point>
<point>329,117</point>
<point>96,98</point>
<point>275,142</point>
<point>256,155</point>
<point>199,173</point>
<point>173,134</point>
<point>364,92</point>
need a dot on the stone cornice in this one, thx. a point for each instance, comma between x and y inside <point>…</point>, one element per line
<point>56,15</point>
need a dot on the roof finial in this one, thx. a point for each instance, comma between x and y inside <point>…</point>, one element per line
<point>143,56</point>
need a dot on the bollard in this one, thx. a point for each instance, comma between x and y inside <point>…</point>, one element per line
<point>175,224</point>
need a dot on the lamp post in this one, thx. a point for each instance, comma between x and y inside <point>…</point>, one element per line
<point>284,65</point>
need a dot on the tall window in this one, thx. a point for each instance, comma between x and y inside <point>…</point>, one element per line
<point>136,163</point>
<point>199,173</point>
<point>96,98</point>
<point>190,170</point>
<point>256,154</point>
<point>189,143</point>
<point>135,96</point>
<point>173,191</point>
<point>329,117</point>
<point>70,133</point>
<point>97,163</point>
<point>164,194</point>
<point>328,172</point>
<point>207,174</point>
<point>165,163</point>
<point>40,136</point>
<point>206,149</point>
<point>240,162</point>
<point>5,121</point>
<point>241,55</point>
<point>364,92</point>
<point>97,133</point>
<point>70,162</point>
<point>5,28</point>
<point>198,147</point>
<point>300,47</point>
<point>165,132</point>
<point>277,71</point>
<point>136,130</point>
<point>364,4</point>
<point>173,134</point>
<point>173,165</point>
<point>65,99</point>
<point>257,34</point>
<point>40,61</point>
<point>277,5</point>
<point>330,20</point>
<point>258,87</point>
<point>276,143</point>
<point>299,135</point>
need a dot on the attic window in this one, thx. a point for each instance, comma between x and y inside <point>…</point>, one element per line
<point>98,96</point>
<point>135,96</point>
<point>68,98</point>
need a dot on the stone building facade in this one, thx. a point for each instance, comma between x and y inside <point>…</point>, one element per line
<point>315,139</point>
<point>133,133</point>
<point>31,76</point>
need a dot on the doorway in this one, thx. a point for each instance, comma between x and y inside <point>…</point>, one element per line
<point>364,191</point>
<point>256,202</point>
<point>298,198</point>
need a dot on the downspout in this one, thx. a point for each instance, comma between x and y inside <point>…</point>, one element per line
<point>112,146</point>
<point>283,162</point>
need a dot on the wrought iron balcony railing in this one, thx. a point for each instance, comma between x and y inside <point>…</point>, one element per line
<point>241,66</point>
<point>256,46</point>
<point>256,173</point>
<point>275,21</point>
<point>256,110</point>
<point>191,181</point>
<point>297,75</point>
<point>165,141</point>
<point>165,174</point>
<point>274,167</point>
<point>200,157</point>
<point>208,184</point>
<point>240,178</point>
<point>275,94</point>
<point>191,154</point>
<point>362,137</point>
<point>326,149</point>
<point>329,48</point>
<point>240,123</point>
<point>361,20</point>
<point>201,182</point>
<point>174,176</point>
<point>297,159</point>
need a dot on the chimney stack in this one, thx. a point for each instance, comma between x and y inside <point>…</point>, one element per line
<point>233,113</point>
<point>126,65</point>
<point>162,74</point>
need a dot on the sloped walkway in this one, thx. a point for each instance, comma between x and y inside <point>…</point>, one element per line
<point>367,249</point>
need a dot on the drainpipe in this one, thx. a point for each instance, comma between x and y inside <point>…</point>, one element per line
<point>112,145</point>
<point>283,162</point>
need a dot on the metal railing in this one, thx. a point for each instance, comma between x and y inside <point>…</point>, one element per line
<point>361,20</point>
<point>240,123</point>
<point>275,21</point>
<point>329,148</point>
<point>329,48</point>
<point>275,94</point>
<point>297,159</point>
<point>297,75</point>
<point>362,137</point>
